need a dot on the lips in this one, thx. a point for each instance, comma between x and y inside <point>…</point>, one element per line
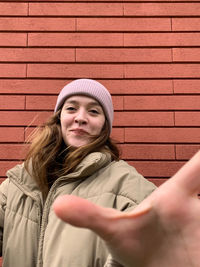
<point>79,131</point>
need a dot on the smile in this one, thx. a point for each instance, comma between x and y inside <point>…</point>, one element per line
<point>79,132</point>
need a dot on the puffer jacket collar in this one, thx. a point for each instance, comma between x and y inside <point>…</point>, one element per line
<point>90,164</point>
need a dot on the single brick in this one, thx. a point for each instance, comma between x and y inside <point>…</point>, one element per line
<point>75,9</point>
<point>75,71</point>
<point>11,134</point>
<point>173,102</point>
<point>186,86</point>
<point>161,9</point>
<point>37,55</point>
<point>13,70</point>
<point>162,70</point>
<point>31,86</point>
<point>10,102</point>
<point>123,55</point>
<point>185,24</point>
<point>162,135</point>
<point>147,152</point>
<point>37,24</point>
<point>186,54</point>
<point>75,39</point>
<point>13,39</point>
<point>23,118</point>
<point>40,102</point>
<point>143,119</point>
<point>14,9</point>
<point>158,39</point>
<point>124,24</point>
<point>13,151</point>
<point>187,118</point>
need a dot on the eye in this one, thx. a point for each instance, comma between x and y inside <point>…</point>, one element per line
<point>70,108</point>
<point>94,111</point>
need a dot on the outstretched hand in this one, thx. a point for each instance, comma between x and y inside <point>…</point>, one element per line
<point>164,230</point>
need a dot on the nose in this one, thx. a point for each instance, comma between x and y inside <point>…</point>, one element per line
<point>81,117</point>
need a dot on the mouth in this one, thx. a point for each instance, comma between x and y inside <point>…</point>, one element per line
<point>79,131</point>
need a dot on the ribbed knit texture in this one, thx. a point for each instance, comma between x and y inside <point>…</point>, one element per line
<point>89,88</point>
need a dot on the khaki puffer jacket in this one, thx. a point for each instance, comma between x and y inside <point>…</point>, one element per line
<point>32,236</point>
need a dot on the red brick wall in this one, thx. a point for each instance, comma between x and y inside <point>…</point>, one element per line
<point>146,52</point>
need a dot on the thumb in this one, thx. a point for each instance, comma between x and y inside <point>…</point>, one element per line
<point>82,213</point>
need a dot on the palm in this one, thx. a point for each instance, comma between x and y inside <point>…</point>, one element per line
<point>162,231</point>
<point>168,234</point>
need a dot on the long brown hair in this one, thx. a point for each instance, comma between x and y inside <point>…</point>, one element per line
<point>50,158</point>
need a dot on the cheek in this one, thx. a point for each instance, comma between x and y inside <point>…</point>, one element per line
<point>65,121</point>
<point>99,125</point>
<point>62,124</point>
<point>64,130</point>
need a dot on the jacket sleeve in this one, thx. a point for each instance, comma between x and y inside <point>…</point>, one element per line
<point>3,197</point>
<point>133,188</point>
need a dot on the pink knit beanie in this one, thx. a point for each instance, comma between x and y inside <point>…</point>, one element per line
<point>89,88</point>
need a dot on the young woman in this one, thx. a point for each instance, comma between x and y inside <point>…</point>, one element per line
<point>72,153</point>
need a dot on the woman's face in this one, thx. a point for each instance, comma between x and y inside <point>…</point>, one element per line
<point>81,119</point>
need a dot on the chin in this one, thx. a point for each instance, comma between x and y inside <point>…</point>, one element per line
<point>77,144</point>
<point>80,145</point>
